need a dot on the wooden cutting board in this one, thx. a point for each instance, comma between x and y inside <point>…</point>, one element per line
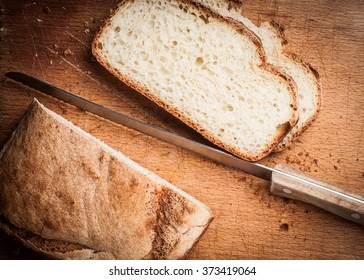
<point>51,40</point>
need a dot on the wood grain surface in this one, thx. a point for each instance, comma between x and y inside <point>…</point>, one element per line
<point>51,40</point>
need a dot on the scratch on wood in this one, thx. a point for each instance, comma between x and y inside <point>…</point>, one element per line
<point>109,90</point>
<point>41,31</point>
<point>177,169</point>
<point>37,57</point>
<point>243,239</point>
<point>74,66</point>
<point>74,37</point>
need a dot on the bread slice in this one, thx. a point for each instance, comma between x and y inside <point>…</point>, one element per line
<point>70,196</point>
<point>307,79</point>
<point>206,70</point>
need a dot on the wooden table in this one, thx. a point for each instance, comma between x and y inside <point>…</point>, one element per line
<point>51,40</point>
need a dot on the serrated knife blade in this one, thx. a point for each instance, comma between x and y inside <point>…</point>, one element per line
<point>284,180</point>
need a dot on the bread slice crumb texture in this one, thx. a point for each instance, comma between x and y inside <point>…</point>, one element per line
<point>207,71</point>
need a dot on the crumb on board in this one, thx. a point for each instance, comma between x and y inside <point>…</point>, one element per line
<point>46,10</point>
<point>284,227</point>
<point>67,52</point>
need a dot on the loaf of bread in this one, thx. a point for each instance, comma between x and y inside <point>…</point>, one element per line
<point>307,79</point>
<point>68,195</point>
<point>208,71</point>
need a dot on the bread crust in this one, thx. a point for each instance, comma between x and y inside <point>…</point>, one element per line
<point>239,27</point>
<point>68,195</point>
<point>315,77</point>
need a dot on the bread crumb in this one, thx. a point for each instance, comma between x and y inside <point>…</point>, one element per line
<point>316,161</point>
<point>33,3</point>
<point>87,31</point>
<point>39,20</point>
<point>47,10</point>
<point>67,52</point>
<point>284,227</point>
<point>335,167</point>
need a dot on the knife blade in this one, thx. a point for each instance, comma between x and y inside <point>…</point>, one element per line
<point>284,180</point>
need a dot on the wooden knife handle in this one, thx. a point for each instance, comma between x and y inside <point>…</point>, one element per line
<point>323,194</point>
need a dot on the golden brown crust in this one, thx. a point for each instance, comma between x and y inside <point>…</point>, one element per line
<point>280,30</point>
<point>310,120</point>
<point>59,183</point>
<point>242,29</point>
<point>312,71</point>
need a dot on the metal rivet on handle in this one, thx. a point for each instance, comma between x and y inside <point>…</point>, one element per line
<point>355,215</point>
<point>287,191</point>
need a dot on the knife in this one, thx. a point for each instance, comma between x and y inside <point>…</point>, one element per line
<point>284,180</point>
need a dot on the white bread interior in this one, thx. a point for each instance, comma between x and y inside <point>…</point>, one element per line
<point>208,71</point>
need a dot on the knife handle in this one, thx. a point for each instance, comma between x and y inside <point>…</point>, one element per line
<point>298,185</point>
